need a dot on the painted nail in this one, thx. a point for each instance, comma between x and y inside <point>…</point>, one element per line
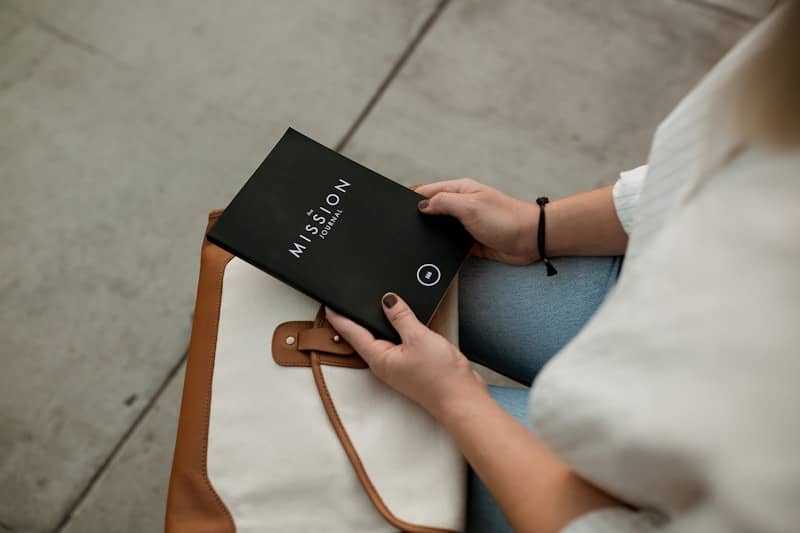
<point>389,300</point>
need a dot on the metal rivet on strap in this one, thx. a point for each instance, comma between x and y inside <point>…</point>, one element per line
<point>336,338</point>
<point>290,340</point>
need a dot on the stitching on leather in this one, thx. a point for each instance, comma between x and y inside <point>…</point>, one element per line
<point>207,399</point>
<point>341,364</point>
<point>341,432</point>
<point>293,364</point>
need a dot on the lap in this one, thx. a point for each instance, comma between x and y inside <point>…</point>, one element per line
<point>513,319</point>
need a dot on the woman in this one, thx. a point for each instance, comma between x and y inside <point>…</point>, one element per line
<point>676,405</point>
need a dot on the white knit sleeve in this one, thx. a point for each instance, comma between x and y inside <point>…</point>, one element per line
<point>626,193</point>
<point>616,520</point>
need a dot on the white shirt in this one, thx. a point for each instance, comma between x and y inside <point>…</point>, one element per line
<point>682,393</point>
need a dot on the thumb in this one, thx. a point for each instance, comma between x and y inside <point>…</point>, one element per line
<point>401,316</point>
<point>448,203</point>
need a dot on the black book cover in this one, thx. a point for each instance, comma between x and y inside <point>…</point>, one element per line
<point>342,234</point>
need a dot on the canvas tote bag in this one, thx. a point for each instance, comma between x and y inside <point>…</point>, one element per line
<point>283,427</point>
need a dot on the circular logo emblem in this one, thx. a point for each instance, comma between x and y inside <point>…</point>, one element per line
<point>428,274</point>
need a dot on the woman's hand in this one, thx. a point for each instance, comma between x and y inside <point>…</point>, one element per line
<point>504,227</point>
<point>426,367</point>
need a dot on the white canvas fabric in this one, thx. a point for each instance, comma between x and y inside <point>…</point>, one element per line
<point>273,456</point>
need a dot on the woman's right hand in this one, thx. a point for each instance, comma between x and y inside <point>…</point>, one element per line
<point>504,227</point>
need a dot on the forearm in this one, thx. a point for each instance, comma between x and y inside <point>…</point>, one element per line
<point>535,489</point>
<point>584,224</point>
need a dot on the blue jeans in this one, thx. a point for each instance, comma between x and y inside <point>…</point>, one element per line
<point>513,319</point>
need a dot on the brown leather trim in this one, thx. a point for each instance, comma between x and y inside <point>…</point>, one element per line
<point>193,506</point>
<point>352,454</point>
<point>285,354</point>
<point>323,340</point>
<point>307,337</point>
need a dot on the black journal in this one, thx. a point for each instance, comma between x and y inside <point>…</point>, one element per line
<point>342,234</point>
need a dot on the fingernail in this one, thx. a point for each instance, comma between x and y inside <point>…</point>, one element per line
<point>423,204</point>
<point>389,300</point>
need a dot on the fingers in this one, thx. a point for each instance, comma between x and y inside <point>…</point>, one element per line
<point>401,316</point>
<point>461,206</point>
<point>358,336</point>
<point>459,185</point>
<point>477,250</point>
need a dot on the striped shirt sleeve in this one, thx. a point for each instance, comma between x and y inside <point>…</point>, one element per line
<point>626,193</point>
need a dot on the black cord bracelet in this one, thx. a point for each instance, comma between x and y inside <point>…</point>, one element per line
<point>551,270</point>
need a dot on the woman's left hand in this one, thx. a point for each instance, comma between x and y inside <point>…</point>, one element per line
<point>425,367</point>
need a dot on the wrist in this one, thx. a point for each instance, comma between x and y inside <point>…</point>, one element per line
<point>556,240</point>
<point>584,224</point>
<point>529,230</point>
<point>460,402</point>
<point>553,241</point>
